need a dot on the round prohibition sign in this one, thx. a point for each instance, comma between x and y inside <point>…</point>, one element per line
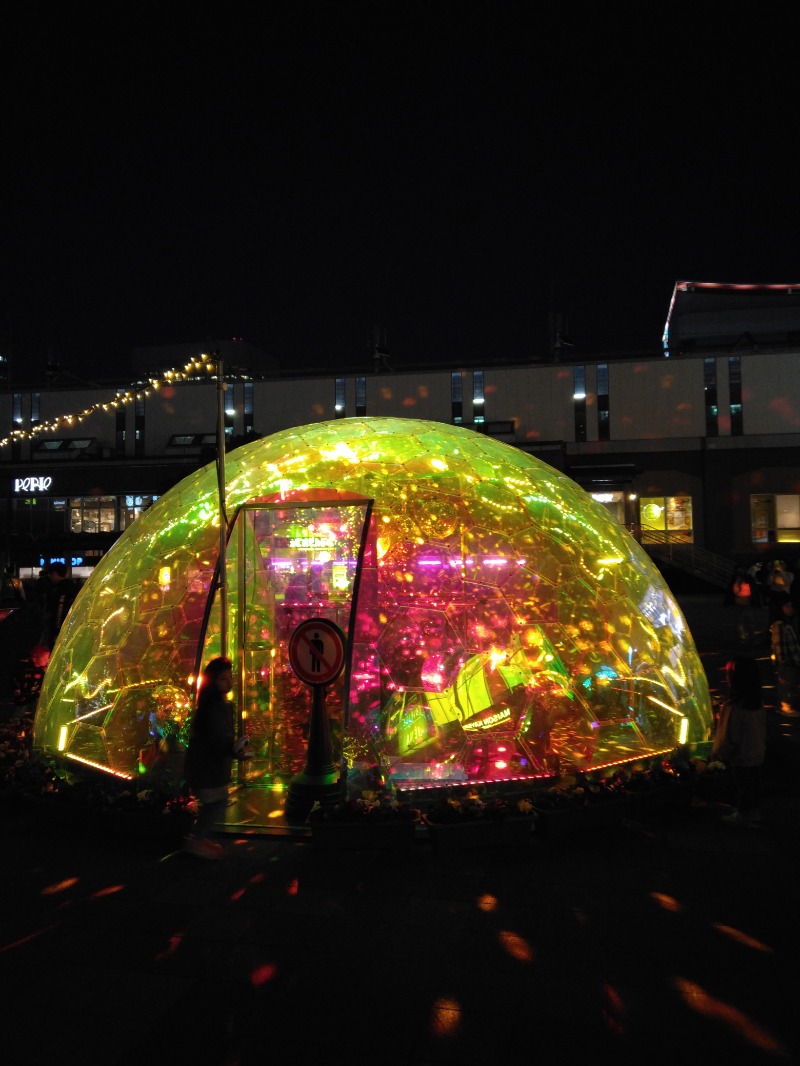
<point>316,651</point>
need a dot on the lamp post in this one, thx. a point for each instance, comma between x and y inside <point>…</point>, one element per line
<point>223,521</point>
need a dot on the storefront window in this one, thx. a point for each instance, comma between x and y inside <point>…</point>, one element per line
<point>131,507</point>
<point>666,518</point>
<point>93,514</point>
<point>775,518</point>
<point>613,502</point>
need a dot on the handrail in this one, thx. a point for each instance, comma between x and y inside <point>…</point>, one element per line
<point>717,569</point>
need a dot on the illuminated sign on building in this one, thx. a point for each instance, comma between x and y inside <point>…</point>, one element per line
<point>32,484</point>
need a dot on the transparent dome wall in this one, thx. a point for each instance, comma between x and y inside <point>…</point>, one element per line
<point>505,625</point>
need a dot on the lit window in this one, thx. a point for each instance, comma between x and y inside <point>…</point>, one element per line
<point>579,401</point>
<point>457,397</point>
<point>603,420</point>
<point>666,519</point>
<point>361,396</point>
<point>478,397</point>
<point>340,398</point>
<point>64,444</point>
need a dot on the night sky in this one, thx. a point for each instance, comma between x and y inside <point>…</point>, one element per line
<point>450,172</point>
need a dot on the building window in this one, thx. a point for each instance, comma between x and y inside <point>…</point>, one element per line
<point>93,514</point>
<point>120,430</point>
<point>65,444</point>
<point>138,425</point>
<point>735,385</point>
<point>775,518</point>
<point>130,507</point>
<point>340,398</point>
<point>361,396</point>
<point>614,502</point>
<point>16,419</point>
<point>103,514</point>
<point>710,392</point>
<point>666,519</point>
<point>478,398</point>
<point>579,401</point>
<point>228,412</point>
<point>248,405</point>
<point>41,517</point>
<point>603,422</point>
<point>192,440</point>
<point>457,397</point>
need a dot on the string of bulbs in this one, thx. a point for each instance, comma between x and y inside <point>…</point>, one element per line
<point>201,363</point>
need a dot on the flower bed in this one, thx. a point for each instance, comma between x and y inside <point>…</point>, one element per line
<point>369,822</point>
<point>602,803</point>
<point>36,787</point>
<point>470,822</point>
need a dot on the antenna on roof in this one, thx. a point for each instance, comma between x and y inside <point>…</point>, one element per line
<point>380,350</point>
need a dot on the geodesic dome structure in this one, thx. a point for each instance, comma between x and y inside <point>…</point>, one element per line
<point>500,624</point>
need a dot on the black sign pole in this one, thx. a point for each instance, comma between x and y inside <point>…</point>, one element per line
<point>319,781</point>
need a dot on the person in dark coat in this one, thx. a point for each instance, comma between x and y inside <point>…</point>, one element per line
<point>212,747</point>
<point>26,681</point>
<point>59,597</point>
<point>741,739</point>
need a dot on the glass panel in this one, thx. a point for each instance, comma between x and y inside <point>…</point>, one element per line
<point>762,512</point>
<point>285,564</point>
<point>787,512</point>
<point>666,518</point>
<point>478,397</point>
<point>91,518</point>
<point>108,516</point>
<point>652,518</point>
<point>679,517</point>
<point>76,516</point>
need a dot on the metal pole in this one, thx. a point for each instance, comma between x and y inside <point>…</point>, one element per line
<point>223,521</point>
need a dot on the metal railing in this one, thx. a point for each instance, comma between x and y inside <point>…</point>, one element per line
<point>716,569</point>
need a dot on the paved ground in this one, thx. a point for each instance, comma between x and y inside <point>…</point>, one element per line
<point>669,938</point>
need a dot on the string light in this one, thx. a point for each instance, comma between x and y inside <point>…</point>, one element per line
<point>200,363</point>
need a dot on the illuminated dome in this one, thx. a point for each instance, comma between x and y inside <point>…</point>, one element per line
<point>500,623</point>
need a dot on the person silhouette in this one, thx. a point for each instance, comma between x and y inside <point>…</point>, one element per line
<point>317,648</point>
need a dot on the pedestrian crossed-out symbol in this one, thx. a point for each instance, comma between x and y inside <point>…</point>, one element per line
<point>316,651</point>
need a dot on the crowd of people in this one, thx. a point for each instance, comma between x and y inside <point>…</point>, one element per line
<point>34,617</point>
<point>765,601</point>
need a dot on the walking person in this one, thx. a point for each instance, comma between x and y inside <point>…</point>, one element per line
<point>740,740</point>
<point>779,585</point>
<point>786,656</point>
<point>743,604</point>
<point>212,747</point>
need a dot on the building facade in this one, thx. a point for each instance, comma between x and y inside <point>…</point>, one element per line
<point>698,447</point>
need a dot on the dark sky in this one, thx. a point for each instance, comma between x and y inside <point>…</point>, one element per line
<point>449,171</point>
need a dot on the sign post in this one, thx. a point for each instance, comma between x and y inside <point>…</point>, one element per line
<point>316,654</point>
